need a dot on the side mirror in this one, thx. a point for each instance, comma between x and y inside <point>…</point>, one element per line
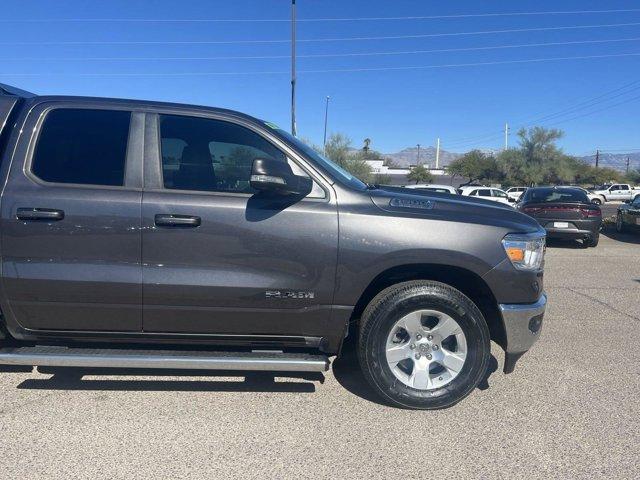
<point>275,176</point>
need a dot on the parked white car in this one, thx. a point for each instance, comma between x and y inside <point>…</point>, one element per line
<point>489,193</point>
<point>593,198</point>
<point>433,188</point>
<point>516,192</point>
<point>617,191</point>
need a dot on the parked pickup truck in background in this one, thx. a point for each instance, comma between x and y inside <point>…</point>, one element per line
<point>618,191</point>
<point>141,234</point>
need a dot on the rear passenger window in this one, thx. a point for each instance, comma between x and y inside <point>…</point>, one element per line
<point>82,146</point>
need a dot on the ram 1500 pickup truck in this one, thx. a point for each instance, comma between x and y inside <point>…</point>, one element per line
<point>138,234</point>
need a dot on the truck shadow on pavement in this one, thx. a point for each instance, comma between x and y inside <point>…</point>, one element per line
<point>73,379</point>
<point>626,237</point>
<point>562,243</point>
<point>347,371</point>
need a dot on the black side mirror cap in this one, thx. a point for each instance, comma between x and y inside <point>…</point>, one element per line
<point>276,176</point>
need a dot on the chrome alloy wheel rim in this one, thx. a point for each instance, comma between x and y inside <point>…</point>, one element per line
<point>426,349</point>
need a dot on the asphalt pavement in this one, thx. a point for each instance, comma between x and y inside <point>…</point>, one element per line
<point>570,410</point>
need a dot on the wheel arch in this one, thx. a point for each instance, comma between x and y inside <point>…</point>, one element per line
<point>468,282</point>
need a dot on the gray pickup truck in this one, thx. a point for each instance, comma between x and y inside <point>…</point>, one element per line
<point>140,234</point>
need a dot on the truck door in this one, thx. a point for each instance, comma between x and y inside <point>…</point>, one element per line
<point>220,258</point>
<point>615,193</point>
<point>71,221</point>
<point>625,192</point>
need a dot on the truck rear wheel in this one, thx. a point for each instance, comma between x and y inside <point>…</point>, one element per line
<point>423,345</point>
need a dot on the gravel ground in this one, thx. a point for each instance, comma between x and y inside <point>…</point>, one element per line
<point>570,410</point>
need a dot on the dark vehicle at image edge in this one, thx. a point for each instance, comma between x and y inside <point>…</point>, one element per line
<point>565,213</point>
<point>152,235</point>
<point>628,216</point>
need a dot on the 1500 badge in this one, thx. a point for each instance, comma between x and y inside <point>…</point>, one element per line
<point>289,294</point>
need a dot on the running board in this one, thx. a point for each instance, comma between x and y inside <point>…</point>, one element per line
<point>48,356</point>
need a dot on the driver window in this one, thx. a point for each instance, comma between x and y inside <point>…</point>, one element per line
<point>636,201</point>
<point>210,155</point>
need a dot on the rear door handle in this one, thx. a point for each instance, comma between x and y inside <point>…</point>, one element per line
<point>170,220</point>
<point>50,214</point>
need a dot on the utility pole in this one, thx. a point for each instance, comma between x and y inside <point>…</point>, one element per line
<point>627,165</point>
<point>438,153</point>
<point>293,68</point>
<point>418,160</point>
<point>506,136</point>
<point>597,158</point>
<point>326,116</point>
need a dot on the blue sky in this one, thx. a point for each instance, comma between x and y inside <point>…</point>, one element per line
<point>466,106</point>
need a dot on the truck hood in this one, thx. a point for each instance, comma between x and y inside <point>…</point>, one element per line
<point>398,201</point>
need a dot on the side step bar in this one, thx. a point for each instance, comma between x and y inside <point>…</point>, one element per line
<point>48,356</point>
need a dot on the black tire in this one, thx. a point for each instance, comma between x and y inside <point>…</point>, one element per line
<point>393,303</point>
<point>620,227</point>
<point>593,241</point>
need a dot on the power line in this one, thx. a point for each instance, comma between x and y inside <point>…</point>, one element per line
<point>531,120</point>
<point>334,55</point>
<point>576,117</point>
<point>327,19</point>
<point>332,70</point>
<point>318,40</point>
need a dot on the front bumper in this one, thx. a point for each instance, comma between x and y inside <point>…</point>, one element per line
<point>522,325</point>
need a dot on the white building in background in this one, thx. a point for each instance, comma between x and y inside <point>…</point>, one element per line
<point>398,175</point>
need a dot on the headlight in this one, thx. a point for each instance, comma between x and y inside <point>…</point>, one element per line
<point>526,252</point>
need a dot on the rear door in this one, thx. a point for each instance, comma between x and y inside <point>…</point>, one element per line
<point>220,258</point>
<point>71,220</point>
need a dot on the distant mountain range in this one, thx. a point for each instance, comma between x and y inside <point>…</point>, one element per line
<point>409,156</point>
<point>617,161</point>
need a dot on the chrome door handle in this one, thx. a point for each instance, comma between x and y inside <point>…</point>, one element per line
<point>170,220</point>
<point>50,214</point>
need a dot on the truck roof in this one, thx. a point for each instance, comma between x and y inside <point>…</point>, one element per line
<point>13,91</point>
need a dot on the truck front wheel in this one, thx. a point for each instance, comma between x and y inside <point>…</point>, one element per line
<point>423,345</point>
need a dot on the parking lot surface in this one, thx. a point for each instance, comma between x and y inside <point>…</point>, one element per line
<point>570,410</point>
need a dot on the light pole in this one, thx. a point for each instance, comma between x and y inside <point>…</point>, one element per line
<point>293,68</point>
<point>506,136</point>
<point>326,116</point>
<point>418,159</point>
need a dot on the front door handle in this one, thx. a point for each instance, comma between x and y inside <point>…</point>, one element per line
<point>50,214</point>
<point>170,220</point>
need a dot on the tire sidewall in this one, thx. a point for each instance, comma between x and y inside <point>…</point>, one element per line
<point>465,313</point>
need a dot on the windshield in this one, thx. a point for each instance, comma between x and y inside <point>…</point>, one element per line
<point>553,195</point>
<point>336,171</point>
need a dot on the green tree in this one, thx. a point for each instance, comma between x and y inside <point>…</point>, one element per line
<point>338,149</point>
<point>633,177</point>
<point>475,166</point>
<point>540,155</point>
<point>420,174</point>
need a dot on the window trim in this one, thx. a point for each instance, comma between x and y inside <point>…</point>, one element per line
<point>134,148</point>
<point>153,178</point>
